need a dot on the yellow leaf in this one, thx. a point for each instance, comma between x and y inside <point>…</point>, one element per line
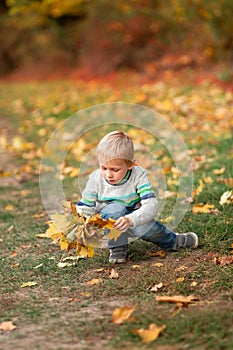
<point>180,279</point>
<point>157,264</point>
<point>60,221</point>
<point>120,315</point>
<point>28,284</point>
<point>94,281</point>
<point>202,208</point>
<point>150,334</point>
<point>159,253</point>
<point>194,284</point>
<point>7,326</point>
<point>180,299</point>
<point>136,267</point>
<point>198,190</point>
<point>84,251</point>
<point>219,171</point>
<point>114,234</point>
<point>64,244</point>
<point>208,180</point>
<point>9,208</point>
<point>226,198</point>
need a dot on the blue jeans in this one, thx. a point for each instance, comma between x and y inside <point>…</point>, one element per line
<point>153,231</point>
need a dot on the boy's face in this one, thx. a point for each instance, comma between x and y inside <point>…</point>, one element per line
<point>115,170</point>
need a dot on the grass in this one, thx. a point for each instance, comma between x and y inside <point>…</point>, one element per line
<point>61,311</point>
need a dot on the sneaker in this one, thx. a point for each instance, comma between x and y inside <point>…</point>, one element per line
<point>118,254</point>
<point>186,240</point>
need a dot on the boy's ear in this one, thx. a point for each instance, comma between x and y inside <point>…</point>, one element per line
<point>132,164</point>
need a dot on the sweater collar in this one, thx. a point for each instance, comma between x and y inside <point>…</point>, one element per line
<point>124,180</point>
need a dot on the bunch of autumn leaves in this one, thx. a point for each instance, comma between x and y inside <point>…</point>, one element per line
<point>74,231</point>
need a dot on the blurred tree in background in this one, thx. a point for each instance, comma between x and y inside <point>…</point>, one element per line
<point>106,36</point>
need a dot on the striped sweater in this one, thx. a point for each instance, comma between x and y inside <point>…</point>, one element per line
<point>134,192</point>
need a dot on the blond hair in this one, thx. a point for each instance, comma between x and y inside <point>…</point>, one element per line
<point>115,144</point>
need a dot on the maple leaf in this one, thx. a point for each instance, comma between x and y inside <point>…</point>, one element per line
<point>202,208</point>
<point>84,251</point>
<point>72,230</point>
<point>7,326</point>
<point>150,334</point>
<point>123,314</point>
<point>114,234</point>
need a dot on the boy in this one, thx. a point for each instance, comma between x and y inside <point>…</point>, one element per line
<point>121,190</point>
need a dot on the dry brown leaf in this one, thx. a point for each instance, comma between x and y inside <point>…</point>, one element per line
<point>7,326</point>
<point>223,260</point>
<point>181,268</point>
<point>150,334</point>
<point>113,274</point>
<point>123,314</point>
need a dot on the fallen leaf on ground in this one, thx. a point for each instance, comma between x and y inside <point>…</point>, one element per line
<point>150,334</point>
<point>7,326</point>
<point>219,171</point>
<point>179,299</point>
<point>94,281</point>
<point>136,267</point>
<point>113,274</point>
<point>9,207</point>
<point>181,268</point>
<point>180,279</point>
<point>123,314</point>
<point>160,253</point>
<point>158,264</point>
<point>226,198</point>
<point>202,208</point>
<point>156,287</point>
<point>198,190</point>
<point>28,284</point>
<point>223,260</point>
<point>194,284</point>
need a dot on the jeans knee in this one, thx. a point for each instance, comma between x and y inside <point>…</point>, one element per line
<point>113,210</point>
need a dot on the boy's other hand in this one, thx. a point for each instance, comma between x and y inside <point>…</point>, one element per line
<point>123,223</point>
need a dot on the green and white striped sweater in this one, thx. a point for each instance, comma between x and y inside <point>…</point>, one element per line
<point>134,192</point>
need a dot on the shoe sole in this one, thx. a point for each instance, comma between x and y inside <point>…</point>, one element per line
<point>117,261</point>
<point>195,239</point>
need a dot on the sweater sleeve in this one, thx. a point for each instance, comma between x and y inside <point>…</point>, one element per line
<point>148,203</point>
<point>87,204</point>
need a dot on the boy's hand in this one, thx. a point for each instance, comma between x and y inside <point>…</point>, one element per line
<point>123,223</point>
